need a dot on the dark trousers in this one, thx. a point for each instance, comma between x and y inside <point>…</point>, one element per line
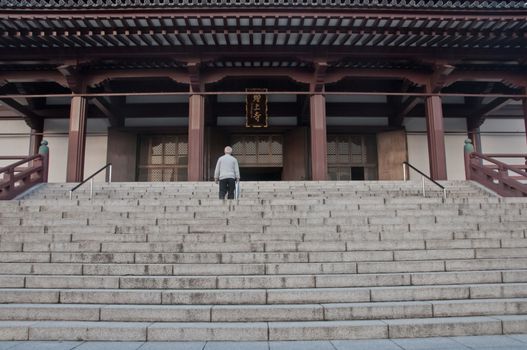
<point>227,185</point>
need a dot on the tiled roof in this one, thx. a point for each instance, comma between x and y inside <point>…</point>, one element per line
<point>358,4</point>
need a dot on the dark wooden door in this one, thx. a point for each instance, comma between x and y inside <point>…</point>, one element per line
<point>352,157</point>
<point>163,158</point>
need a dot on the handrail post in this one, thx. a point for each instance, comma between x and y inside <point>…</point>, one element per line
<point>45,164</point>
<point>71,194</point>
<point>404,171</point>
<point>108,173</point>
<point>468,148</point>
<point>423,182</point>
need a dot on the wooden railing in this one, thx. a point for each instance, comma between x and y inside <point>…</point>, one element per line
<point>505,179</point>
<point>22,175</point>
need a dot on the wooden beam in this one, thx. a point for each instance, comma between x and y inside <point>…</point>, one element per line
<point>33,120</point>
<point>476,119</point>
<point>115,119</point>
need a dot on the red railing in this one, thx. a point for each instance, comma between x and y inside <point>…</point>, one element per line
<point>506,180</point>
<point>22,175</point>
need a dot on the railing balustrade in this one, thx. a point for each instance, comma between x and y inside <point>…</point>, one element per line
<point>20,176</point>
<point>507,180</point>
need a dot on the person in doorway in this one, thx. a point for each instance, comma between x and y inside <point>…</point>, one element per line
<point>227,173</point>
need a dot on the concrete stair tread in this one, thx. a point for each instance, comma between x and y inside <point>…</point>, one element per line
<point>262,313</point>
<point>287,261</point>
<point>267,281</point>
<point>142,331</point>
<point>190,296</point>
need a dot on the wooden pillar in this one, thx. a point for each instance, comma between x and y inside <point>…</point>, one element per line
<point>34,141</point>
<point>524,104</point>
<point>436,137</point>
<point>77,139</point>
<point>196,137</point>
<point>475,137</point>
<point>319,161</point>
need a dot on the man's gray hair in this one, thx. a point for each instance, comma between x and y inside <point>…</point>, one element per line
<point>228,150</point>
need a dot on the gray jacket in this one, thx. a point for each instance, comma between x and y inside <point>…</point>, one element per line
<point>227,168</point>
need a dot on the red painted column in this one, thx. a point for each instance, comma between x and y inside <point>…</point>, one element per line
<point>524,103</point>
<point>436,137</point>
<point>196,137</point>
<point>319,154</point>
<point>77,139</point>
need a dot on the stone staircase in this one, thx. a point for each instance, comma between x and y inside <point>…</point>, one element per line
<point>288,261</point>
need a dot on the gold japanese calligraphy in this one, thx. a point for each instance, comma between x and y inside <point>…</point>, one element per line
<point>256,115</point>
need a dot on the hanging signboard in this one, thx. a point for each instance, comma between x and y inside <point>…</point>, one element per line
<point>256,115</point>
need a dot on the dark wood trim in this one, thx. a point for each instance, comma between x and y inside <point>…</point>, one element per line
<point>436,138</point>
<point>77,140</point>
<point>196,137</point>
<point>319,162</point>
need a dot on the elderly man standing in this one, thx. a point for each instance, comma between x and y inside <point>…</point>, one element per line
<point>227,173</point>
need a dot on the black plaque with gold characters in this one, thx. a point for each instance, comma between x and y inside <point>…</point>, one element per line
<point>256,115</point>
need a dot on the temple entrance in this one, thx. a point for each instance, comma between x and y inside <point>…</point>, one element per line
<point>261,174</point>
<point>352,157</point>
<point>260,156</point>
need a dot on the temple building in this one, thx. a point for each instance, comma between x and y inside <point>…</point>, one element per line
<point>301,89</point>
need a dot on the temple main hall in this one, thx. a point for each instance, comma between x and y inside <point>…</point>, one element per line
<point>346,89</point>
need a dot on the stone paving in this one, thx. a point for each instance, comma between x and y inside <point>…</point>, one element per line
<point>498,342</point>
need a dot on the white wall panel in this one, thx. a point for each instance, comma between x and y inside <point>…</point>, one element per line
<point>96,147</point>
<point>58,157</point>
<point>418,154</point>
<point>455,163</point>
<point>13,145</point>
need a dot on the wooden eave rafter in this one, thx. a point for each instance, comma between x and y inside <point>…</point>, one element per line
<point>193,29</point>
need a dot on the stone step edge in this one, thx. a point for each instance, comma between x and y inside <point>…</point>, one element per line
<point>272,313</point>
<point>21,280</point>
<point>262,331</point>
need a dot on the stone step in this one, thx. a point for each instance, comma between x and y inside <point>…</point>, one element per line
<point>204,269</point>
<point>273,281</point>
<point>453,258</point>
<point>264,296</point>
<point>260,313</point>
<point>327,212</point>
<point>260,331</point>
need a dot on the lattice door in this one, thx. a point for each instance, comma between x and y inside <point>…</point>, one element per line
<point>258,151</point>
<point>352,157</point>
<point>163,158</point>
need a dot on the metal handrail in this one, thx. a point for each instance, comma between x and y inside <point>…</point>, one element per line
<point>90,178</point>
<point>423,177</point>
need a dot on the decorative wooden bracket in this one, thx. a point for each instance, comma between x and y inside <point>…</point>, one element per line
<point>439,78</point>
<point>319,76</point>
<point>196,85</point>
<point>71,73</point>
